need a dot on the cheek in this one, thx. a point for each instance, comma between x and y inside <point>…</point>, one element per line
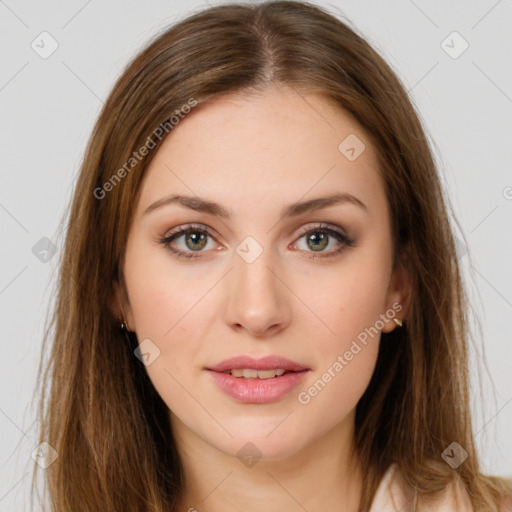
<point>162,294</point>
<point>347,300</point>
<point>167,308</point>
<point>348,303</point>
<point>346,351</point>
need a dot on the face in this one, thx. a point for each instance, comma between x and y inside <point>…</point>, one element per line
<point>250,276</point>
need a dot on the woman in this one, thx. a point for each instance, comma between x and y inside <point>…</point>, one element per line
<point>204,357</point>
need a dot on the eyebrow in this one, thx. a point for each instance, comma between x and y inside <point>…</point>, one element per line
<point>292,210</point>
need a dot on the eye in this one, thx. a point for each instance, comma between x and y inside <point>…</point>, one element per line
<point>195,239</point>
<point>318,237</point>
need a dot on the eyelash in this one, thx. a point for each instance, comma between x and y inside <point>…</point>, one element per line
<point>198,228</point>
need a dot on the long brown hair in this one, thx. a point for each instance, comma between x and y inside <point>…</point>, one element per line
<point>98,408</point>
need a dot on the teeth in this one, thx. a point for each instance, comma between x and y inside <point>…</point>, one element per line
<point>249,373</point>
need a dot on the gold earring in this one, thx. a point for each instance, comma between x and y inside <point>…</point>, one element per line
<point>124,325</point>
<point>397,322</point>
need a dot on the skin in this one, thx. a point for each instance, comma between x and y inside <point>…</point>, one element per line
<point>254,154</point>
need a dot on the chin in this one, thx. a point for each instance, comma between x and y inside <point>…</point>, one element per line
<point>251,449</point>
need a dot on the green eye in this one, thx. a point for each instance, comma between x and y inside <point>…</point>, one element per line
<point>195,238</point>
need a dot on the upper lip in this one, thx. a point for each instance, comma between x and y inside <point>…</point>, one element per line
<point>265,363</point>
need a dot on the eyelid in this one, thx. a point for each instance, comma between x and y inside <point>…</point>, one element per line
<point>319,226</point>
<point>185,228</point>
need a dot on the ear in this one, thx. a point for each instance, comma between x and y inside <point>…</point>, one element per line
<point>121,305</point>
<point>398,297</point>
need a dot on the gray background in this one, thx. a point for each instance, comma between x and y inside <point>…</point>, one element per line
<point>48,107</point>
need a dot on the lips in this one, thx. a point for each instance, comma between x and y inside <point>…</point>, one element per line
<point>257,390</point>
<point>266,363</point>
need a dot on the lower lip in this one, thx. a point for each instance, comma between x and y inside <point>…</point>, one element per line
<point>257,391</point>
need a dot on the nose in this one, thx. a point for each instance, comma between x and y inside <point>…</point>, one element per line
<point>257,297</point>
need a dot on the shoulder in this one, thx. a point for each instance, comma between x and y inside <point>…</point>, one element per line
<point>393,496</point>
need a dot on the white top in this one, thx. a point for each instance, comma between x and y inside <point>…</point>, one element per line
<point>390,497</point>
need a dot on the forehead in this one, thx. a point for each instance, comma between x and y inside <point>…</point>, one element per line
<point>275,147</point>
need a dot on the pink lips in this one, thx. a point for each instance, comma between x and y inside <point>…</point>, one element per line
<point>265,363</point>
<point>258,391</point>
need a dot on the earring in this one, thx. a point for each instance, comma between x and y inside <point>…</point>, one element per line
<point>124,325</point>
<point>398,322</point>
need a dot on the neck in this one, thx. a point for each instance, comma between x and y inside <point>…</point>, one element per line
<point>318,476</point>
